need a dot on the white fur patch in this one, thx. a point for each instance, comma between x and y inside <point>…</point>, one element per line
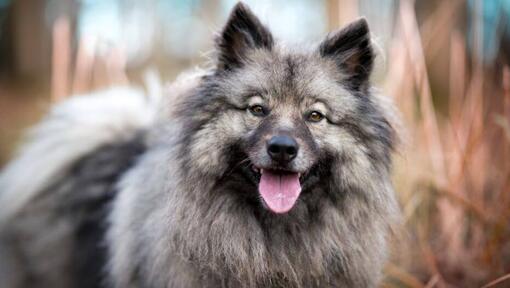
<point>71,130</point>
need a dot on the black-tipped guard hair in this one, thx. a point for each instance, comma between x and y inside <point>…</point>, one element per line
<point>243,32</point>
<point>351,49</point>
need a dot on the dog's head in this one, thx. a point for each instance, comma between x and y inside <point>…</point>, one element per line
<point>280,115</point>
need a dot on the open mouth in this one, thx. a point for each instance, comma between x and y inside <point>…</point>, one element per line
<point>278,188</point>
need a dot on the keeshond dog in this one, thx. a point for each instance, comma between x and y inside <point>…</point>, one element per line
<point>270,169</point>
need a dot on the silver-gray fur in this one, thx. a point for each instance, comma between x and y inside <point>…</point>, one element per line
<point>185,211</point>
<point>35,237</point>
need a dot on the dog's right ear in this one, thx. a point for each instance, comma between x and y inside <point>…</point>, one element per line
<point>242,33</point>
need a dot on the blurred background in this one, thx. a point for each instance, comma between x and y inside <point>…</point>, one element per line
<point>445,64</point>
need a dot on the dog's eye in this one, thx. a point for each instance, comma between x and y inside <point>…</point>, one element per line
<point>257,110</point>
<point>315,116</point>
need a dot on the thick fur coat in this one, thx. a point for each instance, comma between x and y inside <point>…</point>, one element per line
<point>169,193</point>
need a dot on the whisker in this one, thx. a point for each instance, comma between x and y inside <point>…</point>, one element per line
<point>243,161</point>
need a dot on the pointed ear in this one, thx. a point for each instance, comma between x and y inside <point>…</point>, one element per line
<point>242,33</point>
<point>352,52</point>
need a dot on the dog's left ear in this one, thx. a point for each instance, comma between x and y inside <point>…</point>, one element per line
<point>242,33</point>
<point>351,50</point>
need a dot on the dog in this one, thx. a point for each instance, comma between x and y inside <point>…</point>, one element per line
<point>271,168</point>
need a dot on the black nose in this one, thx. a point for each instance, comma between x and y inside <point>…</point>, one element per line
<point>282,148</point>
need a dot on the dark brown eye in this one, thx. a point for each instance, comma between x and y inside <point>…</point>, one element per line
<point>315,116</point>
<point>257,110</point>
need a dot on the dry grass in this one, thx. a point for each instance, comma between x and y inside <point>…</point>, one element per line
<point>453,177</point>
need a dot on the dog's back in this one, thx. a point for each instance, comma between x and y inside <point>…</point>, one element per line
<point>55,195</point>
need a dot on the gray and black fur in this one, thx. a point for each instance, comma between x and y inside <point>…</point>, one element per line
<point>176,204</point>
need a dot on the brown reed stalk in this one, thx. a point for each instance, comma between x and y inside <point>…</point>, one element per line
<point>85,60</point>
<point>412,39</point>
<point>61,58</point>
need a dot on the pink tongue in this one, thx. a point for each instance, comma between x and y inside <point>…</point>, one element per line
<point>280,191</point>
